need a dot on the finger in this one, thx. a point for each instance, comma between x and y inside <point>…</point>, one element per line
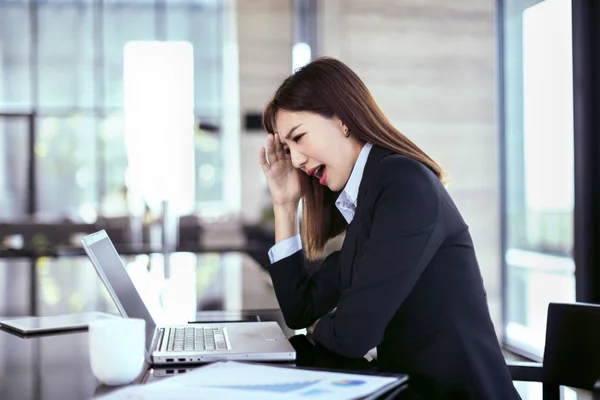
<point>279,147</point>
<point>262,159</point>
<point>271,154</point>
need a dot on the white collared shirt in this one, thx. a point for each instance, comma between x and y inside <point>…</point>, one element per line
<point>346,203</point>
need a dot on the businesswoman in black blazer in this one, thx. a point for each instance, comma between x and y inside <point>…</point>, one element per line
<point>406,279</point>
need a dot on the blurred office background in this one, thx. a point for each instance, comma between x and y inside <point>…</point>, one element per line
<point>140,117</point>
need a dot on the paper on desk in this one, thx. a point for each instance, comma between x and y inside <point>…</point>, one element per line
<point>234,380</point>
<point>161,392</point>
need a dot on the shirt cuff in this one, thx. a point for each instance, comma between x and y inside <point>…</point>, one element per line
<point>285,248</point>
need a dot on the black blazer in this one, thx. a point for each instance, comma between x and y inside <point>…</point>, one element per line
<point>426,314</point>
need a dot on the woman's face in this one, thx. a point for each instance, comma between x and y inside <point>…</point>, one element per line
<point>318,146</point>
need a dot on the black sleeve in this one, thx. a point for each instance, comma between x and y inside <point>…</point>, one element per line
<point>405,213</point>
<point>304,298</point>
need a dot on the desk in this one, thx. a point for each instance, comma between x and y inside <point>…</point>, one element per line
<point>57,366</point>
<point>200,287</point>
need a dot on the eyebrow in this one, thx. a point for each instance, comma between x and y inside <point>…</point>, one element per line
<point>289,134</point>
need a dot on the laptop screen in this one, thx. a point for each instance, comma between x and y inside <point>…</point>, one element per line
<point>112,272</point>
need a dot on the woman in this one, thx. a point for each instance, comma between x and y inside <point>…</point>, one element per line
<point>406,279</point>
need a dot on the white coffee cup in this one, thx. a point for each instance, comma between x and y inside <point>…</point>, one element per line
<point>117,348</point>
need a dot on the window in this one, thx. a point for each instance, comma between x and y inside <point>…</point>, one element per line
<point>64,60</point>
<point>14,144</point>
<point>538,173</point>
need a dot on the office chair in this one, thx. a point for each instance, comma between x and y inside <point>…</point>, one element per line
<point>572,352</point>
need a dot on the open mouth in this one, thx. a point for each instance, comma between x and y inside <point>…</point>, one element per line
<point>320,173</point>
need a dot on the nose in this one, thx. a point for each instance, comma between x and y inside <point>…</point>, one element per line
<point>298,159</point>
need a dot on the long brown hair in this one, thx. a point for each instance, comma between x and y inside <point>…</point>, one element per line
<point>328,87</point>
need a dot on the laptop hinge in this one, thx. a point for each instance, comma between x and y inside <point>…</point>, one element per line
<point>158,339</point>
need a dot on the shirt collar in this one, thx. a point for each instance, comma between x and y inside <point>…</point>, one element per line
<point>350,192</point>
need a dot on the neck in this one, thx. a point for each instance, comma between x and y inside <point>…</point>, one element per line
<point>357,148</point>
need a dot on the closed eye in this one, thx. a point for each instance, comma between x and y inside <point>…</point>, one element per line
<point>297,138</point>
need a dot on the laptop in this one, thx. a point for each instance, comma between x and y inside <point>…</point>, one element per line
<point>191,343</point>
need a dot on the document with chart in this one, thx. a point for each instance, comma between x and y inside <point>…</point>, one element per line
<point>232,380</point>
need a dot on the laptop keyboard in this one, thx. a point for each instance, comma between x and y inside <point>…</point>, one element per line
<point>197,338</point>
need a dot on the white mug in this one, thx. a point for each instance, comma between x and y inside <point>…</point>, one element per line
<point>117,348</point>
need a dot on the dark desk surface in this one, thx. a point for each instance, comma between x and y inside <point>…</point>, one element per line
<point>198,286</point>
<point>57,366</point>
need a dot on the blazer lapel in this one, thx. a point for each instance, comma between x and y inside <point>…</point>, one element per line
<point>375,156</point>
<point>351,240</point>
<point>347,255</point>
